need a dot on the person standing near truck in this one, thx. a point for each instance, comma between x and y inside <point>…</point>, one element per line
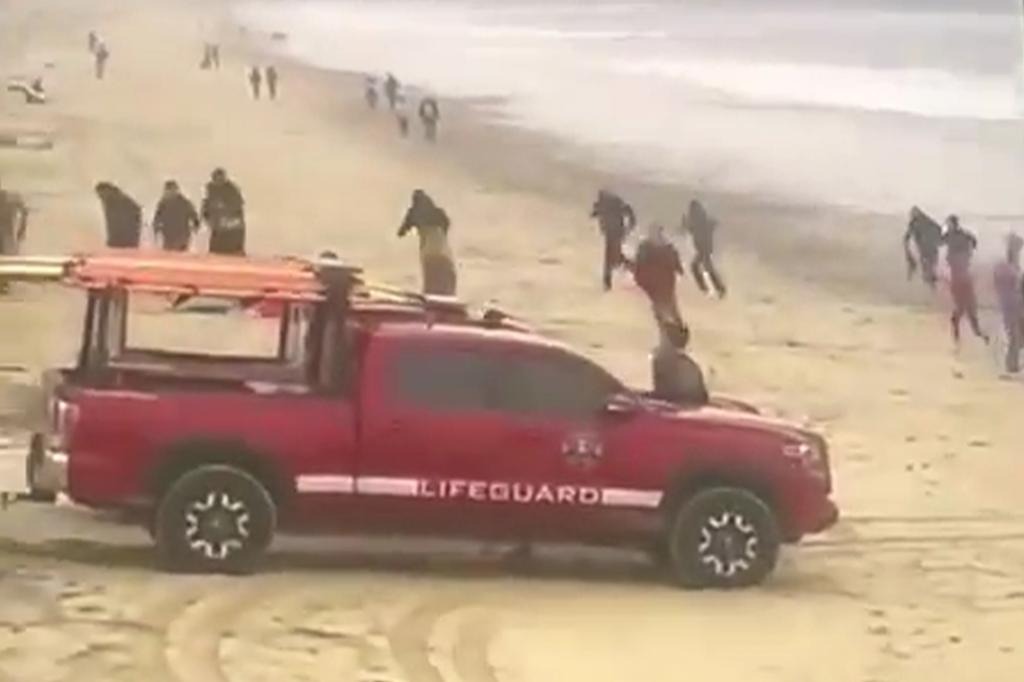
<point>676,377</point>
<point>224,211</point>
<point>123,216</point>
<point>175,220</point>
<point>616,219</point>
<point>436,261</point>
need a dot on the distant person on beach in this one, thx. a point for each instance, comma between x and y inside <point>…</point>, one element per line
<point>272,79</point>
<point>224,211</point>
<point>370,92</point>
<point>960,246</point>
<point>1008,285</point>
<point>701,227</point>
<point>102,55</point>
<point>655,269</point>
<point>175,220</point>
<point>430,115</point>
<point>676,377</point>
<point>391,88</point>
<point>207,62</point>
<point>402,115</point>
<point>926,236</point>
<point>616,219</point>
<point>13,222</point>
<point>215,55</point>
<point>436,261</point>
<point>123,216</point>
<point>255,80</point>
<point>93,41</point>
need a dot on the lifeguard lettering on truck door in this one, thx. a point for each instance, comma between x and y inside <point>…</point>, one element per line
<point>481,491</point>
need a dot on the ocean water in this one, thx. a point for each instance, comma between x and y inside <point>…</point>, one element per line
<point>862,103</point>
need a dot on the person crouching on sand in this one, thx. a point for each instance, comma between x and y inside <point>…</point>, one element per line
<point>436,262</point>
<point>175,220</point>
<point>960,246</point>
<point>655,270</point>
<point>123,216</point>
<point>676,377</point>
<point>1007,280</point>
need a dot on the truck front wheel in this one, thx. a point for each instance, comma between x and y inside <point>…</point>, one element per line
<point>214,519</point>
<point>723,537</point>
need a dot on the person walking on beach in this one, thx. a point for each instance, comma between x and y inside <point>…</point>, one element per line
<point>255,80</point>
<point>272,78</point>
<point>101,55</point>
<point>430,115</point>
<point>391,87</point>
<point>370,92</point>
<point>223,210</point>
<point>175,220</point>
<point>123,216</point>
<point>960,246</point>
<point>436,261</point>
<point>1008,285</point>
<point>926,236</point>
<point>701,227</point>
<point>655,269</point>
<point>402,116</point>
<point>616,219</point>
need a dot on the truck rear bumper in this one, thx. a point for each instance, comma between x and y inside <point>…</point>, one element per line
<point>46,470</point>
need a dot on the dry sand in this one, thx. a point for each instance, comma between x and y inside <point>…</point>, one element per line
<point>921,581</point>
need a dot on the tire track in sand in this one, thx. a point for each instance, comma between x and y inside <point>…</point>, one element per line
<point>412,642</point>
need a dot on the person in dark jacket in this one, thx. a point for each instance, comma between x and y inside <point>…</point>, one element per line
<point>391,88</point>
<point>926,235</point>
<point>175,220</point>
<point>272,79</point>
<point>655,270</point>
<point>430,116</point>
<point>224,211</point>
<point>616,219</point>
<point>701,227</point>
<point>255,80</point>
<point>436,261</point>
<point>123,216</point>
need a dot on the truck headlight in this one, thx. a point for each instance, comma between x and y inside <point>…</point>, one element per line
<point>811,452</point>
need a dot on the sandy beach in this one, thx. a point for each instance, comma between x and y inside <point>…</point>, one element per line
<point>921,580</point>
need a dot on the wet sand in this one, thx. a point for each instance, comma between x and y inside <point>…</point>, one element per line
<point>920,581</point>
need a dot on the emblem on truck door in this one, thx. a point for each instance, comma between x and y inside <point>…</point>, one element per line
<point>583,450</point>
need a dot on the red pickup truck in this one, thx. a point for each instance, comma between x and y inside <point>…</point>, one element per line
<point>380,411</point>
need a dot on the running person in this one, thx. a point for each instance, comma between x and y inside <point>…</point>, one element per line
<point>960,246</point>
<point>616,219</point>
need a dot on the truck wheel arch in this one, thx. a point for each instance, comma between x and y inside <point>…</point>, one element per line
<point>189,454</point>
<point>688,484</point>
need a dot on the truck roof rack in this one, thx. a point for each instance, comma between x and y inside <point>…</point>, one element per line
<point>243,278</point>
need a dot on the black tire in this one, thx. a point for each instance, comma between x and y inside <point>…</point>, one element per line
<point>723,538</point>
<point>214,519</point>
<point>32,464</point>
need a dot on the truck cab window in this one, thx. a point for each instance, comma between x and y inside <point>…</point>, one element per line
<point>444,379</point>
<point>557,385</point>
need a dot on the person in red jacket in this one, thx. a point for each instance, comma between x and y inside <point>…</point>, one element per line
<point>655,270</point>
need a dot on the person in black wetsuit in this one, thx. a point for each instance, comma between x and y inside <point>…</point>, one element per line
<point>926,235</point>
<point>616,218</point>
<point>175,220</point>
<point>123,216</point>
<point>224,211</point>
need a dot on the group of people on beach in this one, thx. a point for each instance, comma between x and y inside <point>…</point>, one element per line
<point>429,112</point>
<point>175,219</point>
<point>923,242</point>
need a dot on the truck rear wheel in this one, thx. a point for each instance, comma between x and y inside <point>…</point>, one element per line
<point>214,519</point>
<point>723,538</point>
